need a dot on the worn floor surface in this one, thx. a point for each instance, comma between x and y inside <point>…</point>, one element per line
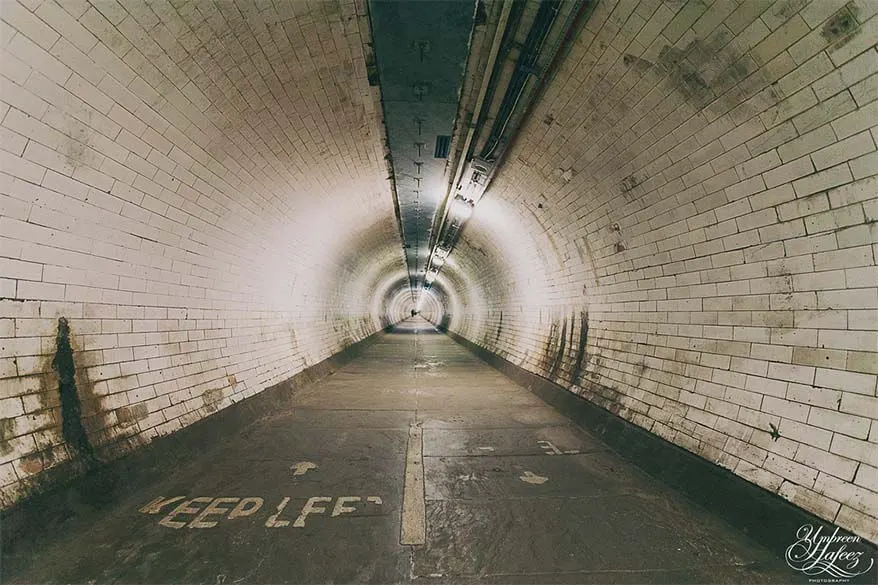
<point>509,489</point>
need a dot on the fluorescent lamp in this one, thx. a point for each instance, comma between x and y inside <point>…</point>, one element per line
<point>461,208</point>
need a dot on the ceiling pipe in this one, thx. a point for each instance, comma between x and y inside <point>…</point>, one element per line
<point>574,22</point>
<point>483,91</point>
<point>486,164</point>
<point>499,35</point>
<point>524,68</point>
<point>583,12</point>
<point>522,73</point>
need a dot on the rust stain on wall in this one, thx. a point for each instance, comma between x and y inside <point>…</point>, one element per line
<point>32,463</point>
<point>556,344</point>
<point>72,428</point>
<point>7,431</point>
<point>581,350</point>
<point>129,415</point>
<point>210,398</point>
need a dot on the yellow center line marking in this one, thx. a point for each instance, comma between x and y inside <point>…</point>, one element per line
<point>414,513</point>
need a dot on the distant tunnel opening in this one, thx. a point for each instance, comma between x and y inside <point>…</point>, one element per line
<point>196,206</point>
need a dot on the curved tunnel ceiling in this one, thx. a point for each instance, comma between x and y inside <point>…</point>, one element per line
<point>680,225</point>
<point>421,49</point>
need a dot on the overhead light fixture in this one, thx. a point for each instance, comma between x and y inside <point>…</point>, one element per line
<point>461,208</point>
<point>431,276</point>
<point>438,261</point>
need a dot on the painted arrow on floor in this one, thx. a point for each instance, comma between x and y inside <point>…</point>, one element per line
<point>533,478</point>
<point>469,477</point>
<point>302,467</point>
<point>155,506</point>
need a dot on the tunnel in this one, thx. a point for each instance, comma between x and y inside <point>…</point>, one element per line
<point>446,291</point>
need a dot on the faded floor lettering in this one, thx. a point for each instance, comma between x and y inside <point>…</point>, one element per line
<point>206,512</point>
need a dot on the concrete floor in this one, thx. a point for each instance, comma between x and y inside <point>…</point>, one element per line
<point>510,492</point>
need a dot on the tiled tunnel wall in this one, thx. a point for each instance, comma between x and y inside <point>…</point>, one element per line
<point>684,232</point>
<point>199,189</point>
